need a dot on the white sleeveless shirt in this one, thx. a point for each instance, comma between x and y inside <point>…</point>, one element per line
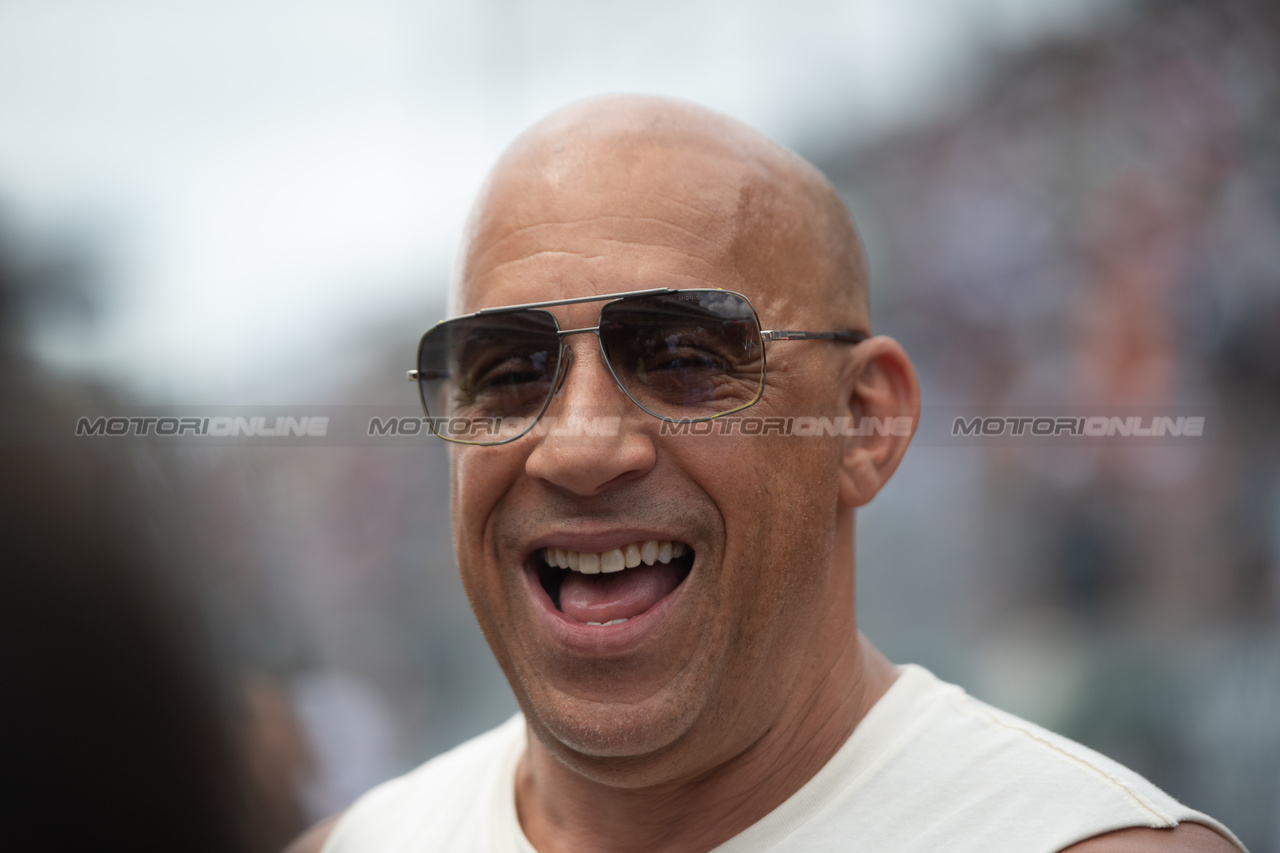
<point>928,769</point>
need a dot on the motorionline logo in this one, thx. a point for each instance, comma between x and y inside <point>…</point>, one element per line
<point>804,426</point>
<point>1092,426</point>
<point>314,426</point>
<point>481,428</point>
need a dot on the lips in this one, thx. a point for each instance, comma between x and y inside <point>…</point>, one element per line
<point>608,588</point>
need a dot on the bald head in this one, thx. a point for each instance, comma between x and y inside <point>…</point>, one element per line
<point>778,224</point>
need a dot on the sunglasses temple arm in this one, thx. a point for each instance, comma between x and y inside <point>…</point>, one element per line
<point>792,335</point>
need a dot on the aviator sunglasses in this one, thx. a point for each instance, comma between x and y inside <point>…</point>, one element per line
<point>681,355</point>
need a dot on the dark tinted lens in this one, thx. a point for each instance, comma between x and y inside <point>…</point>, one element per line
<point>484,379</point>
<point>687,354</point>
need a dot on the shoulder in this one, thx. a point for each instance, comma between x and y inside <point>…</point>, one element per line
<point>1025,787</point>
<point>459,788</point>
<point>1184,838</point>
<point>997,758</point>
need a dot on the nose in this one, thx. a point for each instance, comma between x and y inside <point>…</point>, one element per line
<point>589,439</point>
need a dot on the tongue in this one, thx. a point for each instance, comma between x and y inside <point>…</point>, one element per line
<point>619,595</point>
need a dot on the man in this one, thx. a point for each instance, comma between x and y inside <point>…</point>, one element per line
<point>671,600</point>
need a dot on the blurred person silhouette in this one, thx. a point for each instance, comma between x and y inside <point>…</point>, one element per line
<point>119,731</point>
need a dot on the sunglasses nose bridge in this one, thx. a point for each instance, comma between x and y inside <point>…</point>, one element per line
<point>564,333</point>
<point>568,358</point>
<point>566,361</point>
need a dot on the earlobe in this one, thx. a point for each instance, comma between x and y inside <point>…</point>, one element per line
<point>859,479</point>
<point>882,394</point>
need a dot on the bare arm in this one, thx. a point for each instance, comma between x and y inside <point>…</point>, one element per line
<point>312,841</point>
<point>1184,838</point>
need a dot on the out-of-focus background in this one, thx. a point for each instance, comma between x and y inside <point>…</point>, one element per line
<point>1067,203</point>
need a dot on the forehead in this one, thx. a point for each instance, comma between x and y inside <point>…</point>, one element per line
<point>601,216</point>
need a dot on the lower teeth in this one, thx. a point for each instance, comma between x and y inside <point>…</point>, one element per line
<point>613,622</point>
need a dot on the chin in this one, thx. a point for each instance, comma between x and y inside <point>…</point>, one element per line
<point>599,739</point>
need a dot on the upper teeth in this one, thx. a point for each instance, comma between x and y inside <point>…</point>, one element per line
<point>648,552</point>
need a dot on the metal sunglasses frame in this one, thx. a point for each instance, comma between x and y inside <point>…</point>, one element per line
<point>849,336</point>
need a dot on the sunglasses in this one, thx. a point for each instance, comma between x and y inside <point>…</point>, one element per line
<point>681,355</point>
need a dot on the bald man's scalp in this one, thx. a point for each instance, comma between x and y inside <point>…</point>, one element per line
<point>786,219</point>
<point>790,221</point>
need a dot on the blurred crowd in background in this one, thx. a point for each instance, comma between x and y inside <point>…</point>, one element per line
<point>1099,227</point>
<point>243,640</point>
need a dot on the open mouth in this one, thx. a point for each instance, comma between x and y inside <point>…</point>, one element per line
<point>610,587</point>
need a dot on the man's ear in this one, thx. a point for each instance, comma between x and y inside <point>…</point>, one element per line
<point>883,398</point>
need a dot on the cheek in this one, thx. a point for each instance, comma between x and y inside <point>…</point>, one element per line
<point>777,497</point>
<point>480,478</point>
<point>786,524</point>
<point>770,480</point>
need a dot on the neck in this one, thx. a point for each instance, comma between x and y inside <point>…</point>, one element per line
<point>562,811</point>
